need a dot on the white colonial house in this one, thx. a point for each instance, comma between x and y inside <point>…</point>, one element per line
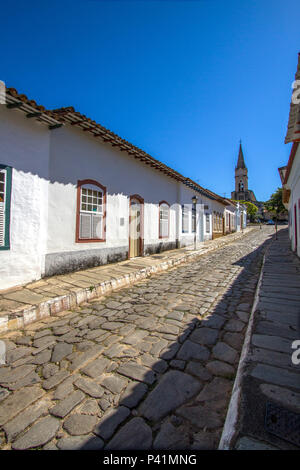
<point>290,174</point>
<point>74,195</point>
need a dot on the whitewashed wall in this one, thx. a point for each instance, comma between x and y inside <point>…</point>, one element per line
<point>122,176</point>
<point>294,186</point>
<point>24,145</point>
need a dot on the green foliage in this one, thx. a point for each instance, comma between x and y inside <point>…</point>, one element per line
<point>251,209</point>
<point>275,204</point>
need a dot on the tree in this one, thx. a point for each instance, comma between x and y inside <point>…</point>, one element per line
<point>275,204</point>
<point>251,210</point>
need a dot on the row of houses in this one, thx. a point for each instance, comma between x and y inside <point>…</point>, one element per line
<point>290,174</point>
<point>74,195</point>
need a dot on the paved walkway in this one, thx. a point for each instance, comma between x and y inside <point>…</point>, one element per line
<point>20,306</point>
<point>150,366</point>
<point>270,392</point>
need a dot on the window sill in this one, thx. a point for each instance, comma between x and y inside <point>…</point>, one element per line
<point>91,240</point>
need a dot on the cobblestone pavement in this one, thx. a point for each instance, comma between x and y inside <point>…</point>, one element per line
<point>150,366</point>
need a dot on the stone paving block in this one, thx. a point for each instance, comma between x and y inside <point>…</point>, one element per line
<point>89,387</point>
<point>197,369</point>
<point>96,368</point>
<point>49,370</point>
<point>158,347</point>
<point>226,353</point>
<point>274,358</point>
<point>25,419</point>
<point>287,398</point>
<point>114,383</point>
<point>221,368</point>
<point>200,416</point>
<point>39,434</point>
<point>30,379</point>
<point>135,435</point>
<point>135,337</point>
<point>174,389</point>
<point>137,372</point>
<point>204,335</point>
<point>248,443</point>
<point>89,442</point>
<point>171,438</point>
<point>277,329</point>
<point>19,401</point>
<point>274,343</point>
<point>79,424</point>
<point>133,394</point>
<point>191,350</point>
<point>90,407</point>
<point>276,375</point>
<point>170,352</point>
<point>63,407</point>
<point>8,375</point>
<point>216,389</point>
<point>60,351</point>
<point>44,342</point>
<point>213,321</point>
<point>110,421</point>
<point>235,340</point>
<point>55,379</point>
<point>84,358</point>
<point>234,325</point>
<point>14,354</point>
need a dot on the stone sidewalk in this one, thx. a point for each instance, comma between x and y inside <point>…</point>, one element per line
<point>270,384</point>
<point>20,306</point>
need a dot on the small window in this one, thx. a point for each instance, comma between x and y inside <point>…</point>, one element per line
<point>164,213</point>
<point>91,197</point>
<point>5,192</point>
<point>207,223</point>
<point>194,218</point>
<point>185,219</point>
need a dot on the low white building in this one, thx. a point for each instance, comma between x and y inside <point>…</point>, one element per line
<point>75,195</point>
<point>290,175</point>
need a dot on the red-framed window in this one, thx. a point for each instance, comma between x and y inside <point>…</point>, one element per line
<point>164,219</point>
<point>91,212</point>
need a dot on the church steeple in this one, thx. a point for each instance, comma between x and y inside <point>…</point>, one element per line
<point>241,161</point>
<point>242,193</point>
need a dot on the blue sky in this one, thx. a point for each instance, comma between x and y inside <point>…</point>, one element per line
<point>183,80</point>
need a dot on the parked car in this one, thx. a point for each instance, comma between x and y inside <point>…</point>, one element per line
<point>270,222</point>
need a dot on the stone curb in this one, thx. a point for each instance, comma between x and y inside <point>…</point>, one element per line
<point>23,316</point>
<point>231,421</point>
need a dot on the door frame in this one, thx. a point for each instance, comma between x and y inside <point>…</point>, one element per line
<point>296,227</point>
<point>141,241</point>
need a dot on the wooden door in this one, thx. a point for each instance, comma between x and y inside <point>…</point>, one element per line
<point>135,227</point>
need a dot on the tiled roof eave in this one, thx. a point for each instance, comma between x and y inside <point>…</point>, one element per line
<point>14,100</point>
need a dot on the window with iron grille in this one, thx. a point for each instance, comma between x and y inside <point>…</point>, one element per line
<point>185,219</point>
<point>90,211</point>
<point>164,213</point>
<point>207,223</point>
<point>5,192</point>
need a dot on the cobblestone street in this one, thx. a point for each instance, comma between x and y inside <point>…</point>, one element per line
<point>150,366</point>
